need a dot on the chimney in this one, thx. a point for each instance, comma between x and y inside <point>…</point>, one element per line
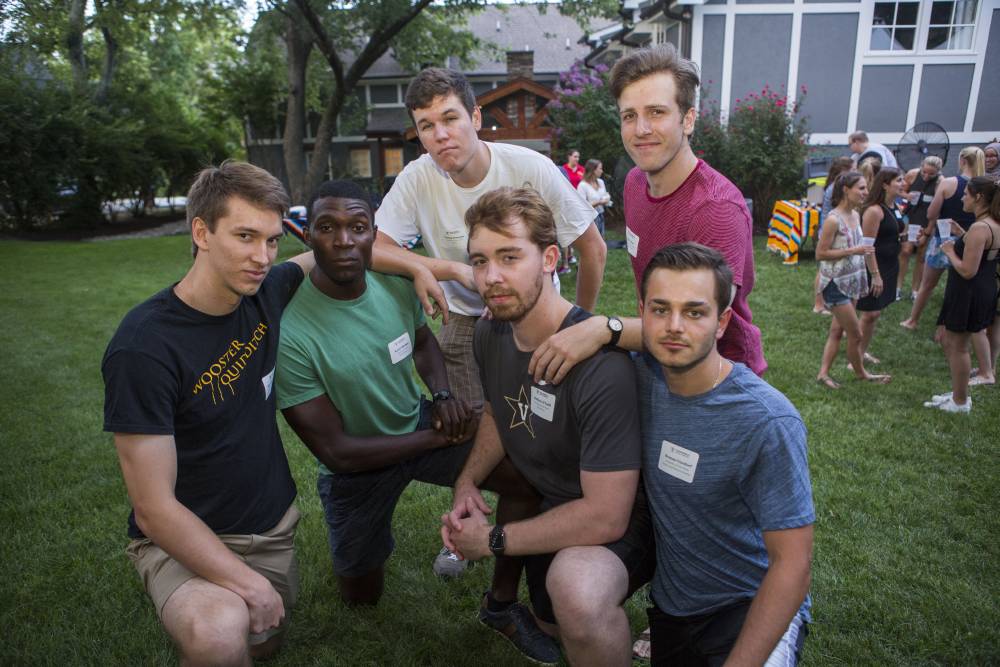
<point>520,64</point>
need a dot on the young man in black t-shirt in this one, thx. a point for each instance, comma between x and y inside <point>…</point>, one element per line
<point>577,443</point>
<point>188,395</point>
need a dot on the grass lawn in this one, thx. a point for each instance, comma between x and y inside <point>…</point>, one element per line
<point>907,555</point>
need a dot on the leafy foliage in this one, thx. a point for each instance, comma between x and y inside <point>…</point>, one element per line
<point>585,117</point>
<point>141,123</point>
<point>761,147</point>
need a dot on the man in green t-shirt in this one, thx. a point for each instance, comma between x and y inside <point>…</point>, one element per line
<point>350,340</point>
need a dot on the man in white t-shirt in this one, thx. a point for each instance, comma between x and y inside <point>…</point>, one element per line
<point>429,199</point>
<point>859,145</point>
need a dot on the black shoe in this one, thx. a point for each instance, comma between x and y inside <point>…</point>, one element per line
<point>517,624</point>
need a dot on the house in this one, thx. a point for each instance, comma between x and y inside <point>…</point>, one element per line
<point>528,47</point>
<point>876,66</point>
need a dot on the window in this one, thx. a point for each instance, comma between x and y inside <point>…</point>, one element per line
<point>361,163</point>
<point>393,161</point>
<point>951,25</point>
<point>894,26</point>
<point>384,94</point>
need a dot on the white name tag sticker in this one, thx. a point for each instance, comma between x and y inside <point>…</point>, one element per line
<point>456,237</point>
<point>928,199</point>
<point>401,348</point>
<point>631,242</point>
<point>543,404</point>
<point>678,462</point>
<point>268,382</point>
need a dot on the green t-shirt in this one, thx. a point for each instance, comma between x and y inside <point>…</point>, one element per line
<point>359,353</point>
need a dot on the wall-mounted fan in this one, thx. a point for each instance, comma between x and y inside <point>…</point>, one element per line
<point>920,141</point>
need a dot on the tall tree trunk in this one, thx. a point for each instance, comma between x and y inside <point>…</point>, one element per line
<point>110,65</point>
<point>299,44</point>
<point>324,134</point>
<point>74,43</point>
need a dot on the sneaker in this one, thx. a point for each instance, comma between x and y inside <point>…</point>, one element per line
<point>448,565</point>
<point>517,624</point>
<point>949,405</point>
<point>899,294</point>
<point>937,399</point>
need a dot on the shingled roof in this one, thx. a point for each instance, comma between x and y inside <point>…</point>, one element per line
<point>512,28</point>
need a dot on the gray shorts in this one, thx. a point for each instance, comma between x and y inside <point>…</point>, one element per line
<point>359,506</point>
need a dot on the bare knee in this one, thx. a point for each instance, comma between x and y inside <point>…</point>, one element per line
<point>216,638</point>
<point>586,584</point>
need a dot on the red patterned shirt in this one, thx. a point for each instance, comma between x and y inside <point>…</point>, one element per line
<point>708,209</point>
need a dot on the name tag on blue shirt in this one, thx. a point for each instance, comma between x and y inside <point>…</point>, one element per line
<point>678,462</point>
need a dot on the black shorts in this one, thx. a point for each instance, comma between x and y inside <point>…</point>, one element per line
<point>636,550</point>
<point>705,640</point>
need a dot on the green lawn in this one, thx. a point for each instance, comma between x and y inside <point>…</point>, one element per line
<point>906,557</point>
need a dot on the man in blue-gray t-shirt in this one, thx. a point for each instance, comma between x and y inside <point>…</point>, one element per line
<point>724,464</point>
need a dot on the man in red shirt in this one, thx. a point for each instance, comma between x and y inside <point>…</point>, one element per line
<point>670,197</point>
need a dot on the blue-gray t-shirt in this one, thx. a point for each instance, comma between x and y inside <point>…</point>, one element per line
<point>719,468</point>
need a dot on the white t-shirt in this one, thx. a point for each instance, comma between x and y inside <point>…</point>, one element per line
<point>888,159</point>
<point>424,201</point>
<point>593,195</point>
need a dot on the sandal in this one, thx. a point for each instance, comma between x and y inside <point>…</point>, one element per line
<point>869,359</point>
<point>641,649</point>
<point>828,382</point>
<point>821,311</point>
<point>980,380</point>
<point>877,379</point>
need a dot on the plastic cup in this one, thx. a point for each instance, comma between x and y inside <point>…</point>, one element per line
<point>912,233</point>
<point>944,228</point>
<point>867,240</point>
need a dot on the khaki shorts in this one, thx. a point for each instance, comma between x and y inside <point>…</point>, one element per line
<point>455,339</point>
<point>271,554</point>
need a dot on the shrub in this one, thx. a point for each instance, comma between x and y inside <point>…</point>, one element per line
<point>761,147</point>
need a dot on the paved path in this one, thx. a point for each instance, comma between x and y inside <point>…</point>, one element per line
<point>169,229</point>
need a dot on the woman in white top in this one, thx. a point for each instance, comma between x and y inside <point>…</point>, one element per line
<point>843,278</point>
<point>593,190</point>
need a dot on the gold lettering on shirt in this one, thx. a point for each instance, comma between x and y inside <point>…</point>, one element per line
<point>520,412</point>
<point>226,371</point>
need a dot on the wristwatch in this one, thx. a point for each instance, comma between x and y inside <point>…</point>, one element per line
<point>442,395</point>
<point>498,540</point>
<point>615,326</point>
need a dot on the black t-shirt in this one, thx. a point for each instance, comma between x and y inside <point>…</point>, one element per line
<point>207,380</point>
<point>552,432</point>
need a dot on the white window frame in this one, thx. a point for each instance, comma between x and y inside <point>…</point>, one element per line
<point>922,32</point>
<point>917,31</point>
<point>384,105</point>
<point>972,24</point>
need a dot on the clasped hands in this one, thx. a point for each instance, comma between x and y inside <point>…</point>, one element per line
<point>465,530</point>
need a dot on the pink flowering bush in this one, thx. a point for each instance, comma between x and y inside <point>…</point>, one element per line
<point>761,147</point>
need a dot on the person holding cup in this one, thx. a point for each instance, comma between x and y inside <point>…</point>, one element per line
<point>843,278</point>
<point>970,296</point>
<point>922,184</point>
<point>881,223</point>
<point>946,204</point>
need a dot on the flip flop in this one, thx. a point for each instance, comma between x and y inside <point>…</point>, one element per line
<point>877,379</point>
<point>980,380</point>
<point>641,649</point>
<point>869,359</point>
<point>828,382</point>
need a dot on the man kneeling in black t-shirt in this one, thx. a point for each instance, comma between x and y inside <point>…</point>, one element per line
<point>577,443</point>
<point>188,395</point>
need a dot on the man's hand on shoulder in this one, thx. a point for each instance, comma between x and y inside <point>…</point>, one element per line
<point>563,350</point>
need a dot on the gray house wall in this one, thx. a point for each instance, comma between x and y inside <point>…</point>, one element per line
<point>826,68</point>
<point>885,97</point>
<point>987,117</point>
<point>714,33</point>
<point>944,95</point>
<point>758,61</point>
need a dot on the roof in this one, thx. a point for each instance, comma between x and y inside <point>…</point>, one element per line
<point>552,37</point>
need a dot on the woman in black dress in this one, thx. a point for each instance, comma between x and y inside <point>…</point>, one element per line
<point>970,297</point>
<point>883,222</point>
